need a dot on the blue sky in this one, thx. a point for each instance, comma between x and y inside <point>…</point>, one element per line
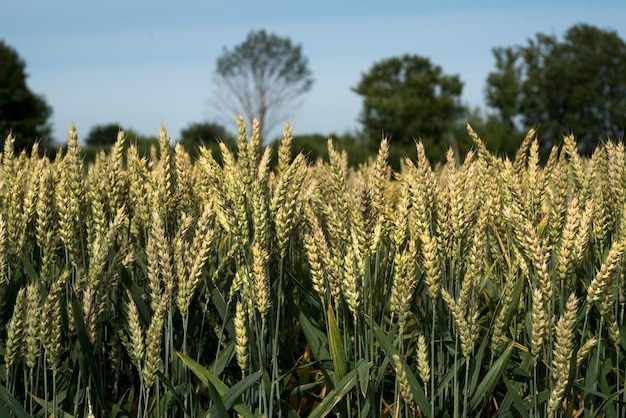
<point>143,63</point>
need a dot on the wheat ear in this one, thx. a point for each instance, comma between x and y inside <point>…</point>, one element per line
<point>562,352</point>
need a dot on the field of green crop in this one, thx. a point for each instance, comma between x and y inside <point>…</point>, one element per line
<point>172,287</point>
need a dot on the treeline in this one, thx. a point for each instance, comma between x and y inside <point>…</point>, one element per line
<point>556,86</point>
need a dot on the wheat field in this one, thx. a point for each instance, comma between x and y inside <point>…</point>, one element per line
<point>172,287</point>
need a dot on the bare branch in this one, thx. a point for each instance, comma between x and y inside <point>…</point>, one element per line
<point>264,77</point>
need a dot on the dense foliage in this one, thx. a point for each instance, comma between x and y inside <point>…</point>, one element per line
<point>22,112</point>
<point>571,85</point>
<point>165,287</point>
<point>103,135</point>
<point>408,98</point>
<point>207,135</point>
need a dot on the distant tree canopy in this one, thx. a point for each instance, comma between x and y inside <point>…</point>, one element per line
<point>206,134</point>
<point>22,112</point>
<point>575,85</point>
<point>201,132</point>
<point>497,136</point>
<point>103,135</point>
<point>408,98</point>
<point>264,77</point>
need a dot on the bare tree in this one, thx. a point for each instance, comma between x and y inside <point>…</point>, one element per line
<point>264,77</point>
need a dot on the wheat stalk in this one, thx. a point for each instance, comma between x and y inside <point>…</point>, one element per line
<point>539,322</point>
<point>260,281</point>
<point>284,202</point>
<point>404,283</point>
<point>154,336</point>
<point>563,350</point>
<point>422,361</point>
<point>605,278</point>
<point>135,344</point>
<point>241,332</point>
<point>401,377</point>
<point>15,330</point>
<point>32,312</point>
<point>51,332</point>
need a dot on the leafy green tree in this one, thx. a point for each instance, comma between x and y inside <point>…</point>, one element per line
<point>206,134</point>
<point>199,133</point>
<point>574,85</point>
<point>315,146</point>
<point>498,136</point>
<point>264,77</point>
<point>407,98</point>
<point>22,112</point>
<point>103,135</point>
<point>147,146</point>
